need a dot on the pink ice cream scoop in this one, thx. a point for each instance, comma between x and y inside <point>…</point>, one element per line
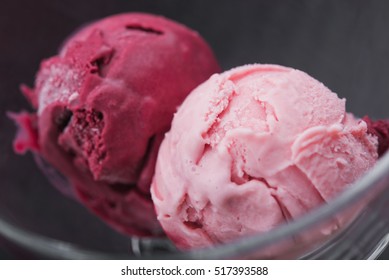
<point>266,145</point>
<point>103,105</point>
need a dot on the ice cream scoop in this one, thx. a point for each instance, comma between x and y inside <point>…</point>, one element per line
<point>266,145</point>
<point>103,105</point>
<point>379,128</point>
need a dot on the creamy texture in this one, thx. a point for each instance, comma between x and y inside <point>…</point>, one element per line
<point>103,105</point>
<point>252,148</point>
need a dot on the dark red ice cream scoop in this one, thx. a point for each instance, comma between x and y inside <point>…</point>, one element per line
<point>103,105</point>
<point>379,128</point>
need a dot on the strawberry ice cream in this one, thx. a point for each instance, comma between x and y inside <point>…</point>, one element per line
<point>266,145</point>
<point>103,105</point>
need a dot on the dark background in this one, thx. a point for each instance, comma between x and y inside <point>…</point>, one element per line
<point>343,43</point>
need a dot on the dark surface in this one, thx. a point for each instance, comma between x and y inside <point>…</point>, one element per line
<point>344,44</point>
<point>5,255</point>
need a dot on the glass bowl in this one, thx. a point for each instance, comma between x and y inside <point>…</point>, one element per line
<point>366,204</point>
<point>341,44</point>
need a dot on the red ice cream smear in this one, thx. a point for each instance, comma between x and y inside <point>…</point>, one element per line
<point>27,135</point>
<point>380,129</point>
